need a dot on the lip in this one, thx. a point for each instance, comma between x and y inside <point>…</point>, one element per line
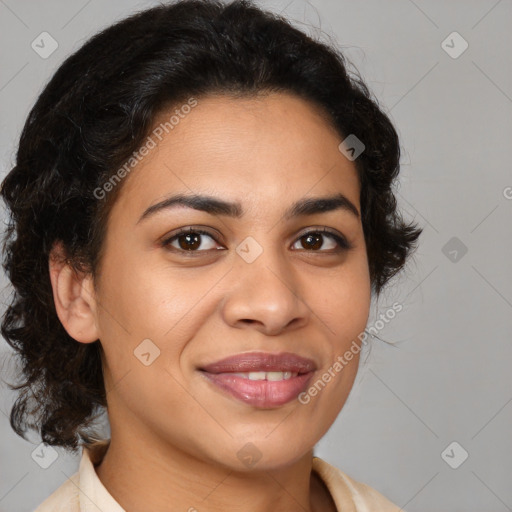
<point>261,393</point>
<point>263,362</point>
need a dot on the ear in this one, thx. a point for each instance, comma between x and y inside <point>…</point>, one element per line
<point>74,297</point>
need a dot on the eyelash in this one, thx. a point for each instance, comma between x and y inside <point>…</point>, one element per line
<point>342,242</point>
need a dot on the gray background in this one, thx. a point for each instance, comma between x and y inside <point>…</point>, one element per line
<point>448,376</point>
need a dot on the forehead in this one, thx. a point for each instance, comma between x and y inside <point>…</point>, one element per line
<point>274,148</point>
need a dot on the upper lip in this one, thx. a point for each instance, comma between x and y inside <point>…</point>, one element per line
<point>262,361</point>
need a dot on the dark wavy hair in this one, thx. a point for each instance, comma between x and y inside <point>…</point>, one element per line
<point>96,111</point>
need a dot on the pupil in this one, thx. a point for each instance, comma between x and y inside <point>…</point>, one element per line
<point>318,239</point>
<point>195,240</point>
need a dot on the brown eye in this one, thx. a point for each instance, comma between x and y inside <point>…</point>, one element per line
<point>190,240</point>
<point>314,241</point>
<point>194,240</point>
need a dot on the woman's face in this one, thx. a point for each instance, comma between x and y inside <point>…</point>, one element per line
<point>254,283</point>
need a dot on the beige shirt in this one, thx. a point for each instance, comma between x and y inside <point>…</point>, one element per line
<point>84,492</point>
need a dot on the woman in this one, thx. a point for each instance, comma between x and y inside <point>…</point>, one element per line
<point>201,209</point>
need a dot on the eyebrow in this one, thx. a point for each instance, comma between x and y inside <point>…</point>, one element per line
<point>215,206</point>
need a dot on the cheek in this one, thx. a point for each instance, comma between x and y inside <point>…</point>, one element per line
<point>143,302</point>
<point>342,302</point>
<point>351,309</point>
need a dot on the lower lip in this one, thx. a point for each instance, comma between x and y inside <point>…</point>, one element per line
<point>261,393</point>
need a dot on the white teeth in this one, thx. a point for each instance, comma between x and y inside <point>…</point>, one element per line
<point>272,376</point>
<point>257,376</point>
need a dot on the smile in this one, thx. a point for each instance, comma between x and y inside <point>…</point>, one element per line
<point>260,379</point>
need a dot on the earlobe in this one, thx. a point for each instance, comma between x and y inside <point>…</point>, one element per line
<point>74,298</point>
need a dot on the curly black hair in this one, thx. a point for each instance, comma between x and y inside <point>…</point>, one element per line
<point>90,118</point>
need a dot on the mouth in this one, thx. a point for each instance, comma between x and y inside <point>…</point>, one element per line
<point>263,380</point>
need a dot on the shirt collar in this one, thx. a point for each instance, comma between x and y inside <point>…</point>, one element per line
<point>94,496</point>
<point>336,483</point>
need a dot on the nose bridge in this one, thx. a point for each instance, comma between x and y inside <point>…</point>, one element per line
<point>261,258</point>
<point>265,289</point>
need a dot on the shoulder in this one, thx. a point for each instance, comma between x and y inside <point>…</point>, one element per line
<point>64,499</point>
<point>350,493</point>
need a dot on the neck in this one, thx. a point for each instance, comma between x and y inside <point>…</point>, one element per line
<point>161,479</point>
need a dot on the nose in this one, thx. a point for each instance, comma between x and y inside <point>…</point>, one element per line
<point>265,295</point>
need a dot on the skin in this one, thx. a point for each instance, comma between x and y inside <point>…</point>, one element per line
<point>174,436</point>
